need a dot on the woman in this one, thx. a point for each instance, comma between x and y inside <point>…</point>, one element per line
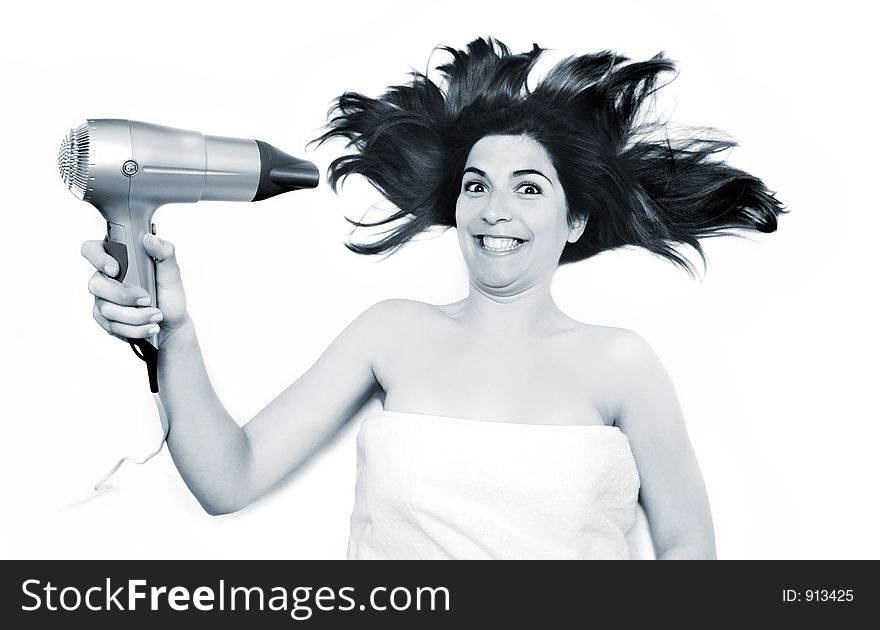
<point>509,429</point>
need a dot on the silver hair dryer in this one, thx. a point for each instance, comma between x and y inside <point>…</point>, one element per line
<point>127,169</point>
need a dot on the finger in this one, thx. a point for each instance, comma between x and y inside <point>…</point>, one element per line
<point>112,291</point>
<point>123,331</point>
<point>93,251</point>
<point>102,321</point>
<point>134,316</point>
<point>158,248</point>
<point>127,331</point>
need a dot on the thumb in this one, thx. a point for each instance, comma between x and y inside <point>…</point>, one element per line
<point>161,250</point>
<point>167,271</point>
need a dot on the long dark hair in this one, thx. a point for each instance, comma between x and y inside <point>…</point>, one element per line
<point>634,183</point>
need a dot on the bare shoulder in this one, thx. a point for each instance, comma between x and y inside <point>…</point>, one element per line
<point>613,346</point>
<point>632,362</point>
<point>644,394</point>
<point>394,316</point>
<point>399,307</point>
<point>627,350</point>
<point>618,365</point>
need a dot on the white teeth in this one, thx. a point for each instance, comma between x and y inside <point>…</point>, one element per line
<point>495,244</point>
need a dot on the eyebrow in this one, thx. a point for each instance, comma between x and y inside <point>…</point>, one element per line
<point>474,169</point>
<point>531,171</point>
<point>519,173</point>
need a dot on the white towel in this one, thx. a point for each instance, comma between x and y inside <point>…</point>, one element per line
<point>439,487</point>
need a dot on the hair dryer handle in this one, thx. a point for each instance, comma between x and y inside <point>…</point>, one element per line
<point>125,243</point>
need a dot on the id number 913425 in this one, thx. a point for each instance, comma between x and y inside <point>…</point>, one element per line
<point>817,595</point>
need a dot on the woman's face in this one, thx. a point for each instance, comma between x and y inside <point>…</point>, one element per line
<point>511,215</point>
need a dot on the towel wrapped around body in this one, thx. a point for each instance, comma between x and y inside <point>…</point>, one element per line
<point>432,487</point>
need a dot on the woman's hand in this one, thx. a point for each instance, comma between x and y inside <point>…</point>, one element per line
<point>124,311</point>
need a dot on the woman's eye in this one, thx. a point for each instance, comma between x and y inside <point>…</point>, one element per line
<point>474,187</point>
<point>528,189</point>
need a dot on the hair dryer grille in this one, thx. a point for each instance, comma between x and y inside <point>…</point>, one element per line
<point>73,161</point>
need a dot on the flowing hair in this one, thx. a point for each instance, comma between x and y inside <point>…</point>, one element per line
<point>634,183</point>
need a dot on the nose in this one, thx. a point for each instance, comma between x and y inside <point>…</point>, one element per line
<point>495,209</point>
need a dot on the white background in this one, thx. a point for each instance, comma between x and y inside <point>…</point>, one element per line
<point>774,353</point>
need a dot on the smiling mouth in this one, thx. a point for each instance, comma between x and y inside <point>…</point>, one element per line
<point>498,244</point>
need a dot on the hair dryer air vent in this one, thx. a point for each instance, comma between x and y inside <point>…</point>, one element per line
<point>73,161</point>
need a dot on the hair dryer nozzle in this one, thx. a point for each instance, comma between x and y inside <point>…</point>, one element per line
<point>73,161</point>
<point>280,172</point>
<point>302,174</point>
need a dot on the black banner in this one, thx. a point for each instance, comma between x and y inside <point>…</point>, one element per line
<point>312,594</point>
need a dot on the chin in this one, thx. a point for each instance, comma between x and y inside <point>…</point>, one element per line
<point>499,284</point>
<point>500,277</point>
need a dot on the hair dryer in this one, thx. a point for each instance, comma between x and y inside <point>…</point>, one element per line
<point>127,169</point>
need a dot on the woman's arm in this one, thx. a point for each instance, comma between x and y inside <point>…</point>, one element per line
<point>672,490</point>
<point>227,466</point>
